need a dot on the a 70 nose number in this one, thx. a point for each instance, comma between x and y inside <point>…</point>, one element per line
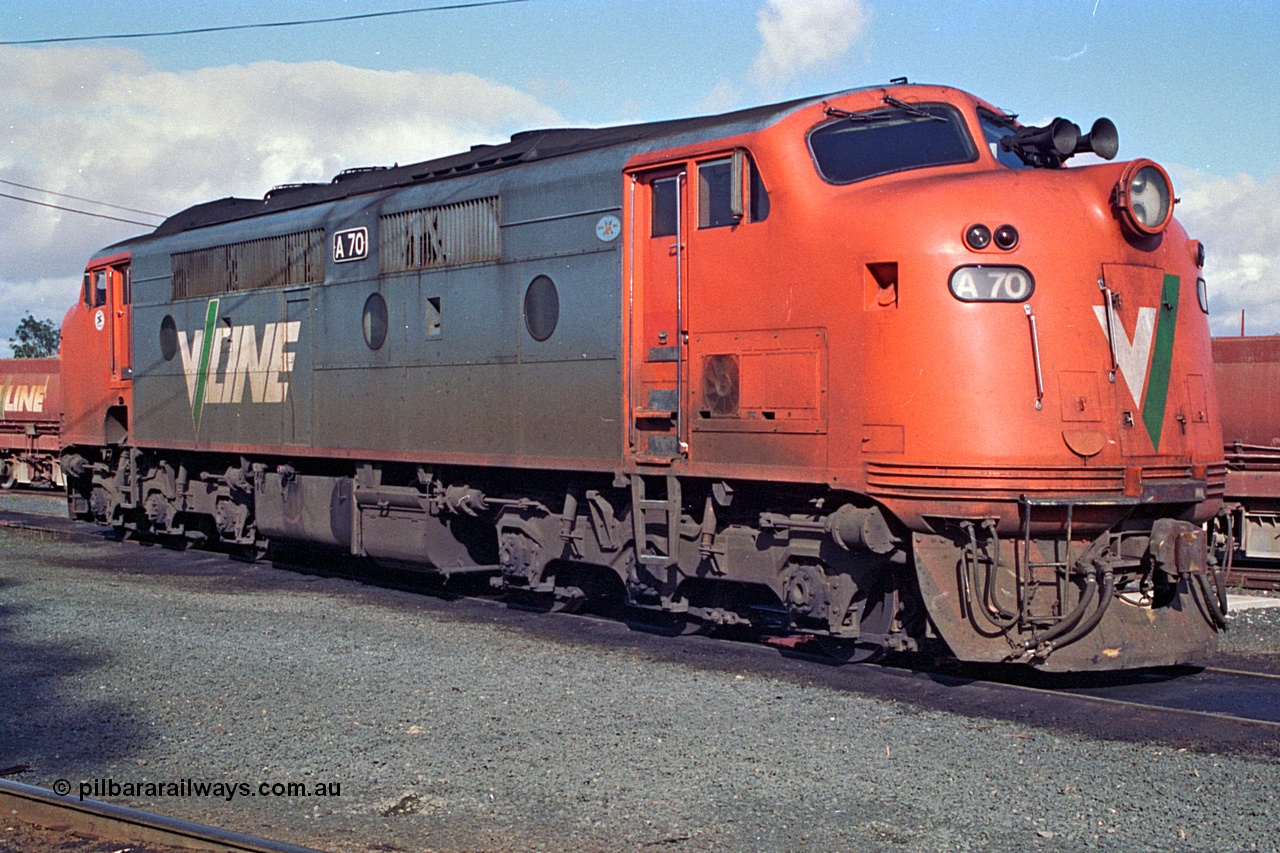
<point>992,284</point>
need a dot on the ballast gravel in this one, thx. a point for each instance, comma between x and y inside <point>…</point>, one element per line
<point>467,726</point>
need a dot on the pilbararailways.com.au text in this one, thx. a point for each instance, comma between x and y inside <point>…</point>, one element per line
<point>227,790</point>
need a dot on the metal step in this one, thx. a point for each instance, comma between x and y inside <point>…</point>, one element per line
<point>642,510</point>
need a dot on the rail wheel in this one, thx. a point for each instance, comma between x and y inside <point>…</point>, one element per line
<point>660,622</point>
<point>842,651</point>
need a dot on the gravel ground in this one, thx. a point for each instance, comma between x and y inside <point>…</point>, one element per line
<point>466,726</point>
<point>1253,636</point>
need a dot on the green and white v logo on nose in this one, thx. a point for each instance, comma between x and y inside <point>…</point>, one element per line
<point>1146,359</point>
<point>1132,356</point>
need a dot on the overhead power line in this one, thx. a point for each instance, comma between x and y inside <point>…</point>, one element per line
<point>79,198</point>
<point>82,212</point>
<point>228,28</point>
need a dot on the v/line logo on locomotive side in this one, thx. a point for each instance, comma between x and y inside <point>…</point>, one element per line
<point>248,364</point>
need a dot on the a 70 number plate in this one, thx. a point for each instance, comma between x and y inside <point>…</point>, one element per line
<point>992,284</point>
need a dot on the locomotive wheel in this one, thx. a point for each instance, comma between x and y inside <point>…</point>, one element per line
<point>248,553</point>
<point>661,623</point>
<point>568,599</point>
<point>8,474</point>
<point>840,651</point>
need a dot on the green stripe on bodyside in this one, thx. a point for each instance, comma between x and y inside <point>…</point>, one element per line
<point>197,405</point>
<point>1161,360</point>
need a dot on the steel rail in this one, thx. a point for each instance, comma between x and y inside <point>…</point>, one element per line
<point>1145,706</point>
<point>43,807</point>
<point>1246,672</point>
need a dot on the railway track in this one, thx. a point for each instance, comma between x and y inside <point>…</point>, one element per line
<point>1208,695</point>
<point>59,818</point>
<point>1229,696</point>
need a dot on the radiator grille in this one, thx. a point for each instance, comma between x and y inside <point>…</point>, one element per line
<point>448,235</point>
<point>283,261</point>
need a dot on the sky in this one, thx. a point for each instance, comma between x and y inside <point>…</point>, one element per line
<point>157,124</point>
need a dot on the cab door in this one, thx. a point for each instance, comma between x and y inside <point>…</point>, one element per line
<point>657,227</point>
<point>120,301</point>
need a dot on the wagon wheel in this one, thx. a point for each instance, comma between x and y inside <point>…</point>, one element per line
<point>8,474</point>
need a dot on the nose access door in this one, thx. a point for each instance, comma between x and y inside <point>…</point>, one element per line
<point>657,225</point>
<point>1139,315</point>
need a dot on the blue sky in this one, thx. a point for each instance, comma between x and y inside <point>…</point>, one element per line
<point>161,123</point>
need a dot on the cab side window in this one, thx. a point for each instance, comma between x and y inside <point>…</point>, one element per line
<point>720,192</point>
<point>715,194</point>
<point>759,195</point>
<point>665,212</point>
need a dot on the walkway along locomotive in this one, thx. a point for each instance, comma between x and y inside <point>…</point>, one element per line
<point>873,367</point>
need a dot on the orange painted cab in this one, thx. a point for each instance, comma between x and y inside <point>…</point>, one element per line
<point>97,352</point>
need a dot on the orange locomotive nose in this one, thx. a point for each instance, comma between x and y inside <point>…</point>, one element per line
<point>1038,379</point>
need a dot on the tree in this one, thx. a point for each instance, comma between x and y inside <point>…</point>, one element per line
<point>35,338</point>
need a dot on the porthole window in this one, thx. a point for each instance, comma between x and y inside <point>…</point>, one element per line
<point>541,308</point>
<point>374,321</point>
<point>168,338</point>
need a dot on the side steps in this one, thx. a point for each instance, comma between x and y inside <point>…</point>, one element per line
<point>659,511</point>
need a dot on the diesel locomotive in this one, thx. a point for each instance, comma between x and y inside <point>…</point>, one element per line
<point>874,368</point>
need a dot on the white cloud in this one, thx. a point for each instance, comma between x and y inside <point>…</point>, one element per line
<point>100,123</point>
<point>800,34</point>
<point>1238,220</point>
<point>1072,57</point>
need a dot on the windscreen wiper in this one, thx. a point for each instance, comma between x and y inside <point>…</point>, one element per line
<point>899,107</point>
<point>913,109</point>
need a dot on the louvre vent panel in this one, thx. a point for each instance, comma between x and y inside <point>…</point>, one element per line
<point>448,235</point>
<point>288,260</point>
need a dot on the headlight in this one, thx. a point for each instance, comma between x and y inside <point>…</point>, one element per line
<point>1144,196</point>
<point>1202,293</point>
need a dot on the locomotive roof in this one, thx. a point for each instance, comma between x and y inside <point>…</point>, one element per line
<point>524,147</point>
